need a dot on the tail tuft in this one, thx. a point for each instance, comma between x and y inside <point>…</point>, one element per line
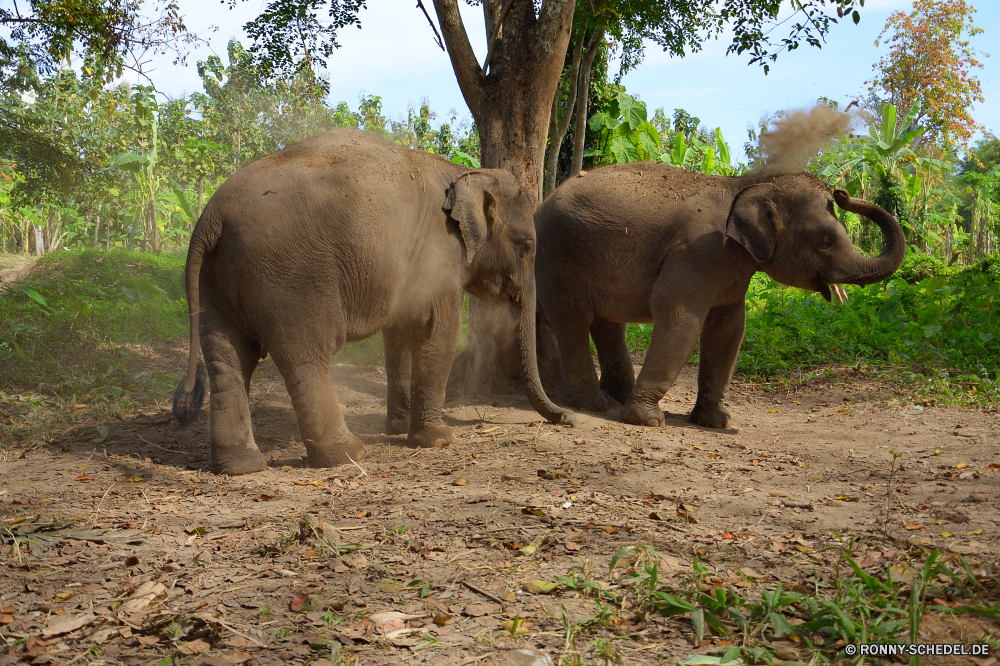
<point>187,406</point>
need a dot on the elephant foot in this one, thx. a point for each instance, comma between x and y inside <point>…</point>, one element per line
<point>345,448</point>
<point>639,413</point>
<point>234,461</point>
<point>432,436</point>
<point>397,425</point>
<point>714,416</point>
<point>588,398</point>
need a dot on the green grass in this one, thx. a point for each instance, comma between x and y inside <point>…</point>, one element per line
<point>772,623</point>
<point>74,339</point>
<point>71,336</point>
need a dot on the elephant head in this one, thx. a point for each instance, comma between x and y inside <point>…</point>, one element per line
<point>790,227</point>
<point>496,224</point>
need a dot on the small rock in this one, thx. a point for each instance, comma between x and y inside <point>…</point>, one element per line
<point>527,657</point>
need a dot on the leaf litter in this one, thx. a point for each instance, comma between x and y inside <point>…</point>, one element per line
<point>148,559</point>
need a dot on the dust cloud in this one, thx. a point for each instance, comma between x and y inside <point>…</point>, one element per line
<point>796,136</point>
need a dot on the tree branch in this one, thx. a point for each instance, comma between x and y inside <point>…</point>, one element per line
<point>463,59</point>
<point>496,34</point>
<point>437,35</point>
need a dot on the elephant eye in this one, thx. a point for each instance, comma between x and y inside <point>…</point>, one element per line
<point>825,242</point>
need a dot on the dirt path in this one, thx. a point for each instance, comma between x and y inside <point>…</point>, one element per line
<point>141,555</point>
<point>14,267</point>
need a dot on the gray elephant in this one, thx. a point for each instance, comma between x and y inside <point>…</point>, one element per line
<point>332,240</point>
<point>653,243</point>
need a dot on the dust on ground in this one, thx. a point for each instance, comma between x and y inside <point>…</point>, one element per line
<point>130,553</point>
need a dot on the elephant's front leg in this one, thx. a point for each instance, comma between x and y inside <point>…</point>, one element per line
<point>721,338</point>
<point>398,368</point>
<point>433,344</point>
<point>678,321</point>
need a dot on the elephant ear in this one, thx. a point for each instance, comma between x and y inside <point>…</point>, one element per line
<point>751,221</point>
<point>470,203</point>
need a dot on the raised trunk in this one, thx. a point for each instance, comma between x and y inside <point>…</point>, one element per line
<point>861,270</point>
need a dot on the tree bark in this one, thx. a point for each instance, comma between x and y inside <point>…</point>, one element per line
<point>583,102</point>
<point>557,128</point>
<point>510,101</point>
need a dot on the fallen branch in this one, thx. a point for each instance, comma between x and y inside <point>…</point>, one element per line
<point>486,594</point>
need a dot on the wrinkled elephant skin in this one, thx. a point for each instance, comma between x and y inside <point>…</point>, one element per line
<point>332,240</point>
<point>652,243</point>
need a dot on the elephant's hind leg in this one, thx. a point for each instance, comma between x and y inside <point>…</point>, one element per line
<point>231,357</point>
<point>305,365</point>
<point>617,375</point>
<point>398,368</point>
<point>433,342</point>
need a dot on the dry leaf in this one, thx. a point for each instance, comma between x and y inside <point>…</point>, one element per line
<point>64,625</point>
<point>196,646</point>
<point>393,616</point>
<point>915,526</point>
<point>460,481</point>
<point>298,602</point>
<point>958,466</point>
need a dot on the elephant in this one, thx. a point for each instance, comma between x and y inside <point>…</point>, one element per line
<point>654,243</point>
<point>332,240</point>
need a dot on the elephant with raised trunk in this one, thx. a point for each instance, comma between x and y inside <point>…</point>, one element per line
<point>653,243</point>
<point>332,240</point>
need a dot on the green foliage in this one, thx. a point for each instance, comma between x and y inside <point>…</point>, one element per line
<point>72,334</point>
<point>857,607</point>
<point>624,135</point>
<point>934,325</point>
<point>115,168</point>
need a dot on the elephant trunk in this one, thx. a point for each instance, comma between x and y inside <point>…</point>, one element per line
<point>861,270</point>
<point>529,362</point>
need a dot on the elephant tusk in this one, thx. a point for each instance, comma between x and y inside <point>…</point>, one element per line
<point>843,292</point>
<point>835,288</point>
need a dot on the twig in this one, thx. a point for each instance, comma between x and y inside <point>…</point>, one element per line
<point>156,446</point>
<point>211,619</point>
<point>474,659</point>
<point>496,34</point>
<point>363,472</point>
<point>461,555</point>
<point>437,35</point>
<point>486,594</point>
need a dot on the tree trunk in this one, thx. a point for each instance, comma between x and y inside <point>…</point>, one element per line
<point>97,224</point>
<point>201,196</point>
<point>557,127</point>
<point>583,102</point>
<point>510,98</point>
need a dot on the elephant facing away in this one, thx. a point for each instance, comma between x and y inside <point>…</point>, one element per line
<point>332,240</point>
<point>654,243</point>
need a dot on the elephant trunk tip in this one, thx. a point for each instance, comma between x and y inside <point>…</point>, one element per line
<point>187,403</point>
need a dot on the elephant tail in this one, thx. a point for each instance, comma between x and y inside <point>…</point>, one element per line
<point>190,393</point>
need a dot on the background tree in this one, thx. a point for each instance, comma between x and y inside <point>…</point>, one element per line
<point>930,60</point>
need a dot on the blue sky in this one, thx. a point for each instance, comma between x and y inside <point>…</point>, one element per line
<point>394,56</point>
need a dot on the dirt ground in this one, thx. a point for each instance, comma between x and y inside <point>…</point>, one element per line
<point>129,552</point>
<point>13,267</point>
